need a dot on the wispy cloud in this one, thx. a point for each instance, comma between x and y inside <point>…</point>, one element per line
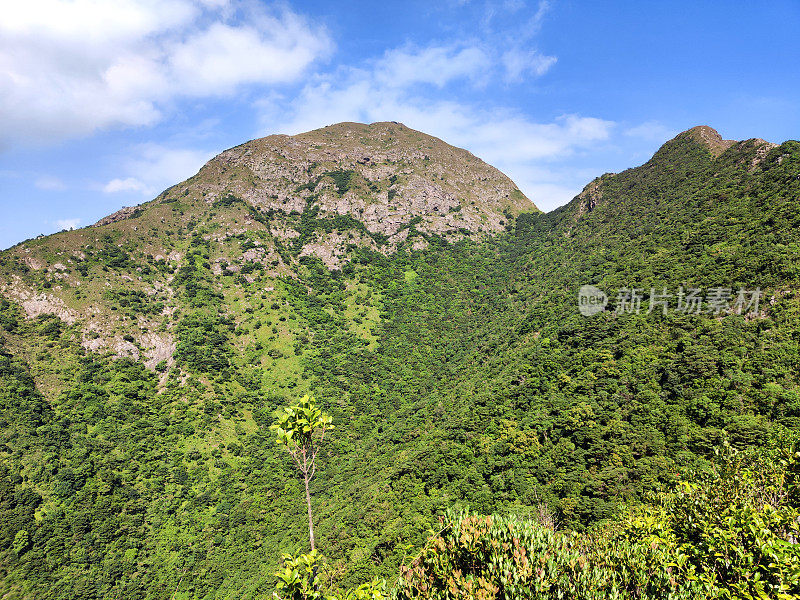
<point>651,131</point>
<point>127,184</point>
<point>153,167</point>
<point>67,223</point>
<point>535,23</point>
<point>519,62</point>
<point>435,65</point>
<point>49,183</point>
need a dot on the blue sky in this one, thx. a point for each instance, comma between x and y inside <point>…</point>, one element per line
<point>104,103</point>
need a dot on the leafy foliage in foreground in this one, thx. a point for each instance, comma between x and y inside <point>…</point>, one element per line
<point>731,533</point>
<point>299,580</point>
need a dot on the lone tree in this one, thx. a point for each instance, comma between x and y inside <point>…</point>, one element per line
<point>301,428</point>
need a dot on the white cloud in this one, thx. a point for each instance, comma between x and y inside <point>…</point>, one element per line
<point>513,6</point>
<point>95,22</point>
<point>67,223</point>
<point>437,65</point>
<point>72,67</point>
<point>223,57</point>
<point>519,59</point>
<point>535,24</point>
<point>524,30</point>
<point>651,131</point>
<point>495,135</point>
<point>440,65</point>
<point>519,62</point>
<point>128,184</point>
<point>154,168</point>
<point>49,183</point>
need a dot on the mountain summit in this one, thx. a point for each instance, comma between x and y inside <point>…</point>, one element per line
<point>395,186</point>
<point>695,150</point>
<point>709,137</point>
<point>259,211</point>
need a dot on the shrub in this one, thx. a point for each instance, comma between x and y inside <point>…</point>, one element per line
<point>730,533</point>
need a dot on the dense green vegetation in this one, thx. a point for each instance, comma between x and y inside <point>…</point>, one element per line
<point>461,378</point>
<point>729,533</point>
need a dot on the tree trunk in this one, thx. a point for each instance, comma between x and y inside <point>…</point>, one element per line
<point>311,533</point>
<point>310,520</point>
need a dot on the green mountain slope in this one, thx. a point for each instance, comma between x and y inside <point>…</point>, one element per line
<point>250,217</point>
<point>459,372</point>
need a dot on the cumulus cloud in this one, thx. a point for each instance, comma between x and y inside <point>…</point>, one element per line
<point>73,67</point>
<point>224,56</point>
<point>153,168</point>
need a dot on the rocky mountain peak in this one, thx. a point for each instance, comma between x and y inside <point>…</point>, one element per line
<point>384,175</point>
<point>709,137</point>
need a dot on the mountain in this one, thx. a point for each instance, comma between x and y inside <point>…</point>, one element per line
<point>383,175</point>
<point>257,209</point>
<point>142,358</point>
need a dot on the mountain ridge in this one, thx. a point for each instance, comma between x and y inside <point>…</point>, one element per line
<point>249,237</point>
<point>676,151</point>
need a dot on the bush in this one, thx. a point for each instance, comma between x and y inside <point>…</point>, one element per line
<point>730,533</point>
<point>497,557</point>
<point>342,179</point>
<point>300,580</point>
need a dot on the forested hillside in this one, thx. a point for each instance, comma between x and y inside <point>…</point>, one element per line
<point>143,359</point>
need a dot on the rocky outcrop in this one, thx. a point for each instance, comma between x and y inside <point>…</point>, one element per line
<point>589,197</point>
<point>36,303</point>
<point>126,212</point>
<point>710,138</point>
